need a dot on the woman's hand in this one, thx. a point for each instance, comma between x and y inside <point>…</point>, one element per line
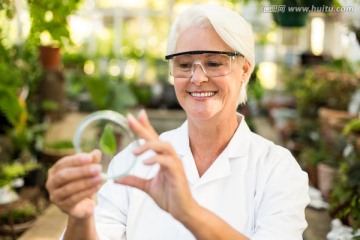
<point>169,188</point>
<point>73,181</point>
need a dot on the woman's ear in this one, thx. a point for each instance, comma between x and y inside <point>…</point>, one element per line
<point>246,70</point>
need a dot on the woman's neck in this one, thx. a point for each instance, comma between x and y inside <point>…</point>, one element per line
<point>208,139</point>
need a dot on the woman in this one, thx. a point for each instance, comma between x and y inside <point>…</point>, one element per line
<point>212,178</point>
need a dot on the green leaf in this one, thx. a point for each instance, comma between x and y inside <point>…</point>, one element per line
<point>107,141</point>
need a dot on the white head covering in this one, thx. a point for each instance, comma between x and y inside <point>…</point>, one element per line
<point>231,27</point>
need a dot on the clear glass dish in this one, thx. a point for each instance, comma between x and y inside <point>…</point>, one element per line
<point>90,130</point>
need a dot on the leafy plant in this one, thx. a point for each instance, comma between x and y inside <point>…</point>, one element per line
<point>12,107</point>
<point>60,145</point>
<point>51,17</point>
<point>14,170</point>
<point>330,85</point>
<point>345,198</point>
<point>313,155</point>
<point>110,93</point>
<point>256,90</point>
<point>20,214</point>
<point>352,126</point>
<point>10,172</point>
<point>9,105</point>
<point>107,140</point>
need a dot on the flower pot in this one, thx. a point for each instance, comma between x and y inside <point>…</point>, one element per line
<point>332,123</point>
<point>48,155</point>
<point>290,19</point>
<point>326,175</point>
<point>51,92</point>
<point>50,57</point>
<point>313,175</point>
<point>16,228</point>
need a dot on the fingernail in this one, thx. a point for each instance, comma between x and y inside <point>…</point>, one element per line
<point>141,113</point>
<point>85,158</point>
<point>95,168</point>
<point>96,153</point>
<point>130,117</point>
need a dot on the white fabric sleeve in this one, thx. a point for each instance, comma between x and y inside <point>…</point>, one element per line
<point>111,211</point>
<point>281,213</point>
<point>113,203</point>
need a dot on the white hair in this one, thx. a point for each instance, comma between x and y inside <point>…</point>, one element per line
<point>229,25</point>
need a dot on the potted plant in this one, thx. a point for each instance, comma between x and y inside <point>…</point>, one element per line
<point>328,169</point>
<point>8,173</point>
<point>49,18</point>
<point>345,197</point>
<point>352,130</point>
<point>49,34</point>
<point>287,18</point>
<point>312,156</point>
<point>18,219</point>
<point>53,151</point>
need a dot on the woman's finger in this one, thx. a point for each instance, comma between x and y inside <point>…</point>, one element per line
<point>72,200</point>
<point>144,120</point>
<point>165,162</point>
<point>67,190</point>
<point>134,181</point>
<point>78,159</point>
<point>142,131</point>
<point>65,175</point>
<point>155,145</point>
<point>97,155</point>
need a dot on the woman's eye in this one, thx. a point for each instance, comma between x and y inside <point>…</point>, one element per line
<point>185,65</point>
<point>213,64</point>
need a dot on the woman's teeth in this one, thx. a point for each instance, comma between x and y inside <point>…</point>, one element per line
<point>202,94</point>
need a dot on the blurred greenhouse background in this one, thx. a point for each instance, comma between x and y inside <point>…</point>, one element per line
<point>61,60</point>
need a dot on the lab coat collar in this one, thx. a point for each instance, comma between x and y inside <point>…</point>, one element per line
<point>238,147</point>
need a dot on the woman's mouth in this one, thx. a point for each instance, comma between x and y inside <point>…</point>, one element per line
<point>202,94</point>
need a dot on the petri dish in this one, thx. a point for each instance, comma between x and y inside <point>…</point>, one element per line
<point>90,135</point>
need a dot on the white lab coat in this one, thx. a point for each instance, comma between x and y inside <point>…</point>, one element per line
<point>254,185</point>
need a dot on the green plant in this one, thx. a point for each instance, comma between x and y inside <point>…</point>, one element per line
<point>10,172</point>
<point>22,213</point>
<point>60,145</point>
<point>313,155</point>
<point>345,198</point>
<point>352,126</point>
<point>14,170</point>
<point>51,17</point>
<point>107,140</point>
<point>13,82</point>
<point>110,93</point>
<point>255,89</point>
<point>330,85</point>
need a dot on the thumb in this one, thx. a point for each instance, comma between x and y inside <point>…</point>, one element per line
<point>144,120</point>
<point>96,155</point>
<point>133,181</point>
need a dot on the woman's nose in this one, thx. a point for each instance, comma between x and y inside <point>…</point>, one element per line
<point>198,74</point>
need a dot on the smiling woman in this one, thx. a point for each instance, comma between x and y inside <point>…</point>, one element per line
<point>211,178</point>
